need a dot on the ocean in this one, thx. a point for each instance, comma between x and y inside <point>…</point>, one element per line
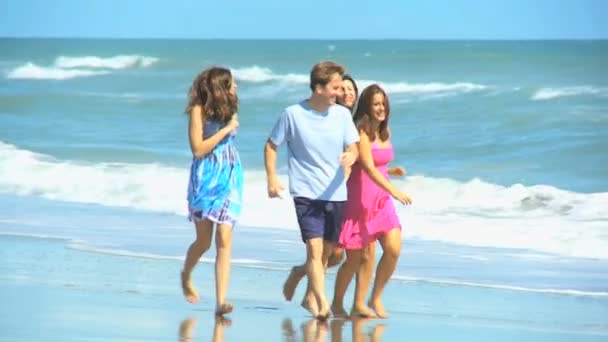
<point>504,143</point>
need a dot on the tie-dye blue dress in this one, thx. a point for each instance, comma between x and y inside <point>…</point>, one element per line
<point>215,189</point>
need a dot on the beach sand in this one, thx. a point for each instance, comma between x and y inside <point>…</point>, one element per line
<point>52,292</point>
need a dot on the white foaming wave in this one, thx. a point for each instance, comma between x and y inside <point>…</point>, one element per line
<point>116,62</point>
<point>256,74</point>
<point>425,88</point>
<point>476,197</point>
<point>474,213</point>
<point>24,172</point>
<point>31,71</point>
<point>66,67</point>
<point>563,292</point>
<point>137,186</point>
<point>553,93</point>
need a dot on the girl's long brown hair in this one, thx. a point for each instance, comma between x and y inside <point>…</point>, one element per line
<point>363,117</point>
<point>211,91</point>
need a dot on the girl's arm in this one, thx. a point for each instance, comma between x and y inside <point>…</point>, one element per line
<point>200,146</point>
<point>367,163</point>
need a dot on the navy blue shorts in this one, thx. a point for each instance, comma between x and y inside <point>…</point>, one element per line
<point>318,218</point>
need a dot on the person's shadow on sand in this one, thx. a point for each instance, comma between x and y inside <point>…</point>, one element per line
<point>315,330</point>
<point>186,329</point>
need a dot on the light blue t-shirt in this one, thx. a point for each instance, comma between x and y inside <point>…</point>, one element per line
<point>315,141</point>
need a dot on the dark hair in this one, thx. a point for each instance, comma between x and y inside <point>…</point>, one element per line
<point>363,114</point>
<point>322,72</point>
<point>211,90</point>
<point>348,77</point>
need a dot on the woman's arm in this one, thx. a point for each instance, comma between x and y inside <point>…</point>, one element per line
<point>200,146</point>
<point>367,163</point>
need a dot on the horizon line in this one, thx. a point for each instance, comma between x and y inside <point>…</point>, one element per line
<point>306,39</point>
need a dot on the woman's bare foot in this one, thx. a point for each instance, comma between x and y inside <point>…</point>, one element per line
<point>378,308</point>
<point>362,312</point>
<point>339,311</point>
<point>188,289</point>
<point>223,309</point>
<point>292,282</point>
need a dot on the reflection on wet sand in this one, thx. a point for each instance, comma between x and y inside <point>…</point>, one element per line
<point>317,331</point>
<point>186,329</point>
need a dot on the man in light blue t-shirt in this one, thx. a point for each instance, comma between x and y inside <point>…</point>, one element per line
<point>321,141</point>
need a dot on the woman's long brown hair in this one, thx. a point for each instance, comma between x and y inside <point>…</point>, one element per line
<point>363,116</point>
<point>211,91</point>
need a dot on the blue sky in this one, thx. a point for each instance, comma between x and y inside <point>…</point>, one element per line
<point>317,19</point>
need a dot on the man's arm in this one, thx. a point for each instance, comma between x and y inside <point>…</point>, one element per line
<point>270,162</point>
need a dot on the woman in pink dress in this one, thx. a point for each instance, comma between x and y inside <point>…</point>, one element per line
<point>369,214</point>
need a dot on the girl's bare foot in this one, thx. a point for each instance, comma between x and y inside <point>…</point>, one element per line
<point>223,309</point>
<point>378,308</point>
<point>188,289</point>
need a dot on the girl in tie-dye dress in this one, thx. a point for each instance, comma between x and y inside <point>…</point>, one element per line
<point>215,187</point>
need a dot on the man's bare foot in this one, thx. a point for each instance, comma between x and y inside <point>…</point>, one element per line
<point>339,311</point>
<point>188,289</point>
<point>362,312</point>
<point>324,312</point>
<point>310,304</point>
<point>223,309</point>
<point>378,308</point>
<point>295,275</point>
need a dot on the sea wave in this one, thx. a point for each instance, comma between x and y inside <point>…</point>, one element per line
<point>31,71</point>
<point>544,94</point>
<point>66,67</point>
<point>257,74</point>
<point>475,212</point>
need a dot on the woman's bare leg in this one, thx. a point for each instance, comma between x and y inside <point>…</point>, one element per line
<point>204,231</point>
